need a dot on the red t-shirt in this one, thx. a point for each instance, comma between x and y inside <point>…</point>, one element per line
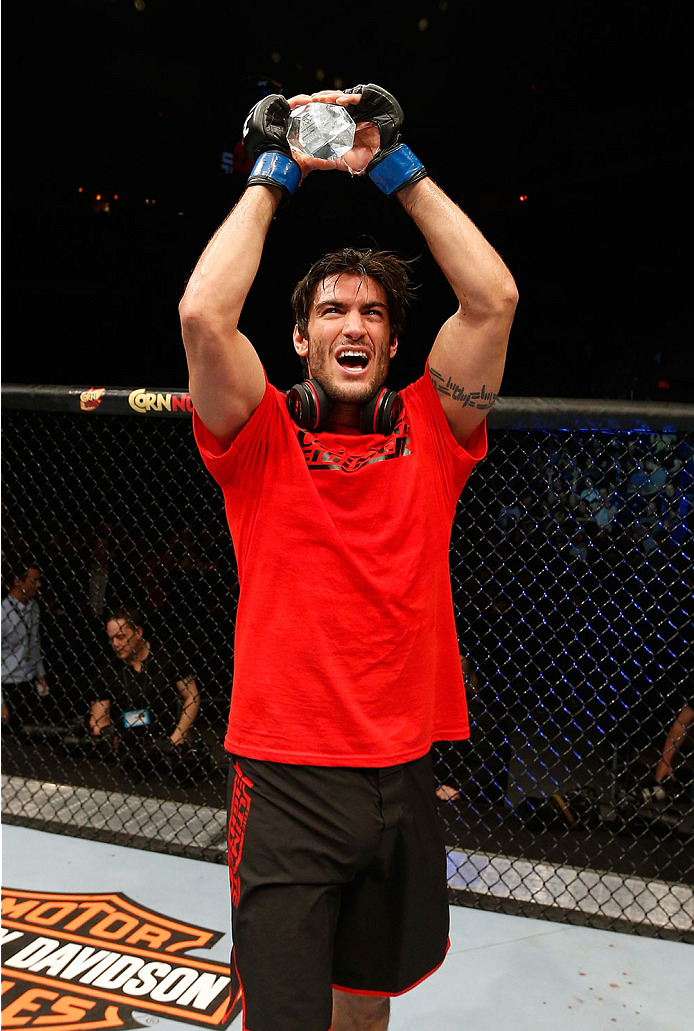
<point>346,651</point>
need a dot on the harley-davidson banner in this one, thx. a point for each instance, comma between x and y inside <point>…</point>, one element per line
<point>87,961</point>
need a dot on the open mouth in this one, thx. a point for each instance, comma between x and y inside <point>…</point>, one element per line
<point>353,360</point>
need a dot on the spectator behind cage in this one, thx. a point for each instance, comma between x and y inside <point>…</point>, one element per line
<point>25,688</point>
<point>133,701</point>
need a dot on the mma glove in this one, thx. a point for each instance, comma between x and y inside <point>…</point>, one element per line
<point>394,166</point>
<point>265,143</point>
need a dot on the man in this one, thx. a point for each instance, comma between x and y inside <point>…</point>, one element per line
<point>133,708</point>
<point>340,500</point>
<point>25,688</point>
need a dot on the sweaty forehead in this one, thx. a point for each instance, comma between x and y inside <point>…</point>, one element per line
<point>347,287</point>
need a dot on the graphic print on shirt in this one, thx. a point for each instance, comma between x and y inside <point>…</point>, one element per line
<point>397,445</point>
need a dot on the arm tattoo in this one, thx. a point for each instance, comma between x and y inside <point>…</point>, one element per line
<point>467,398</point>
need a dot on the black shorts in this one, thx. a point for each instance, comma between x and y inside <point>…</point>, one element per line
<point>338,879</point>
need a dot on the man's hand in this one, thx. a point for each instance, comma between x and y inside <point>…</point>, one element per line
<point>379,107</point>
<point>100,718</point>
<point>265,131</point>
<point>266,127</point>
<point>366,137</point>
<point>393,166</point>
<point>265,142</point>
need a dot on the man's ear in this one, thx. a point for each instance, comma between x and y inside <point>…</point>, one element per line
<point>393,346</point>
<point>300,343</point>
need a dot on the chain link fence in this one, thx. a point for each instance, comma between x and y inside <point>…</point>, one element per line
<point>572,573</point>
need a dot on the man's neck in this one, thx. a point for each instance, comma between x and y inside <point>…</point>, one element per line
<point>19,593</point>
<point>345,418</point>
<point>137,660</point>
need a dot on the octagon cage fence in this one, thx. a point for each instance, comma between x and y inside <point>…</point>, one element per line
<point>571,564</point>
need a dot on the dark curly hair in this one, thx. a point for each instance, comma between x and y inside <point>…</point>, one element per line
<point>129,614</point>
<point>384,267</point>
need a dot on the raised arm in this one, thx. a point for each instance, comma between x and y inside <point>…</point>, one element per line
<point>227,381</point>
<point>226,376</point>
<point>467,360</point>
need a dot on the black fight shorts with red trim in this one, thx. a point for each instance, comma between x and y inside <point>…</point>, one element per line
<point>338,879</point>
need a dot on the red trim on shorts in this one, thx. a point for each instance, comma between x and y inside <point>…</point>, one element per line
<point>232,1002</point>
<point>242,994</point>
<point>392,995</point>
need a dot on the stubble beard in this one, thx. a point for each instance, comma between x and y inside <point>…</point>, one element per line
<point>355,393</point>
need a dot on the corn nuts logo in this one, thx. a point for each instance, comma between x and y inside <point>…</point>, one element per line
<point>82,962</point>
<point>143,401</point>
<point>92,398</point>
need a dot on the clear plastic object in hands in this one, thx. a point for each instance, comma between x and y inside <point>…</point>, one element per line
<point>324,131</point>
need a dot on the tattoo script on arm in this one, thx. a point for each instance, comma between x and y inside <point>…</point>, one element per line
<point>447,387</point>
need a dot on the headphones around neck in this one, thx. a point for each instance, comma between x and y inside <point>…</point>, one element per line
<point>309,407</point>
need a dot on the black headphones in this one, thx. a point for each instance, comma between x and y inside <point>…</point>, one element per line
<point>309,407</point>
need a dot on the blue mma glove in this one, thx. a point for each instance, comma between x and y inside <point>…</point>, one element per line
<point>394,166</point>
<point>265,142</point>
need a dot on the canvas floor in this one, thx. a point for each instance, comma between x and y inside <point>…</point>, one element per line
<point>502,972</point>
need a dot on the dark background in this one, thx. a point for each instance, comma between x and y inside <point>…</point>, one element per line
<point>583,109</point>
